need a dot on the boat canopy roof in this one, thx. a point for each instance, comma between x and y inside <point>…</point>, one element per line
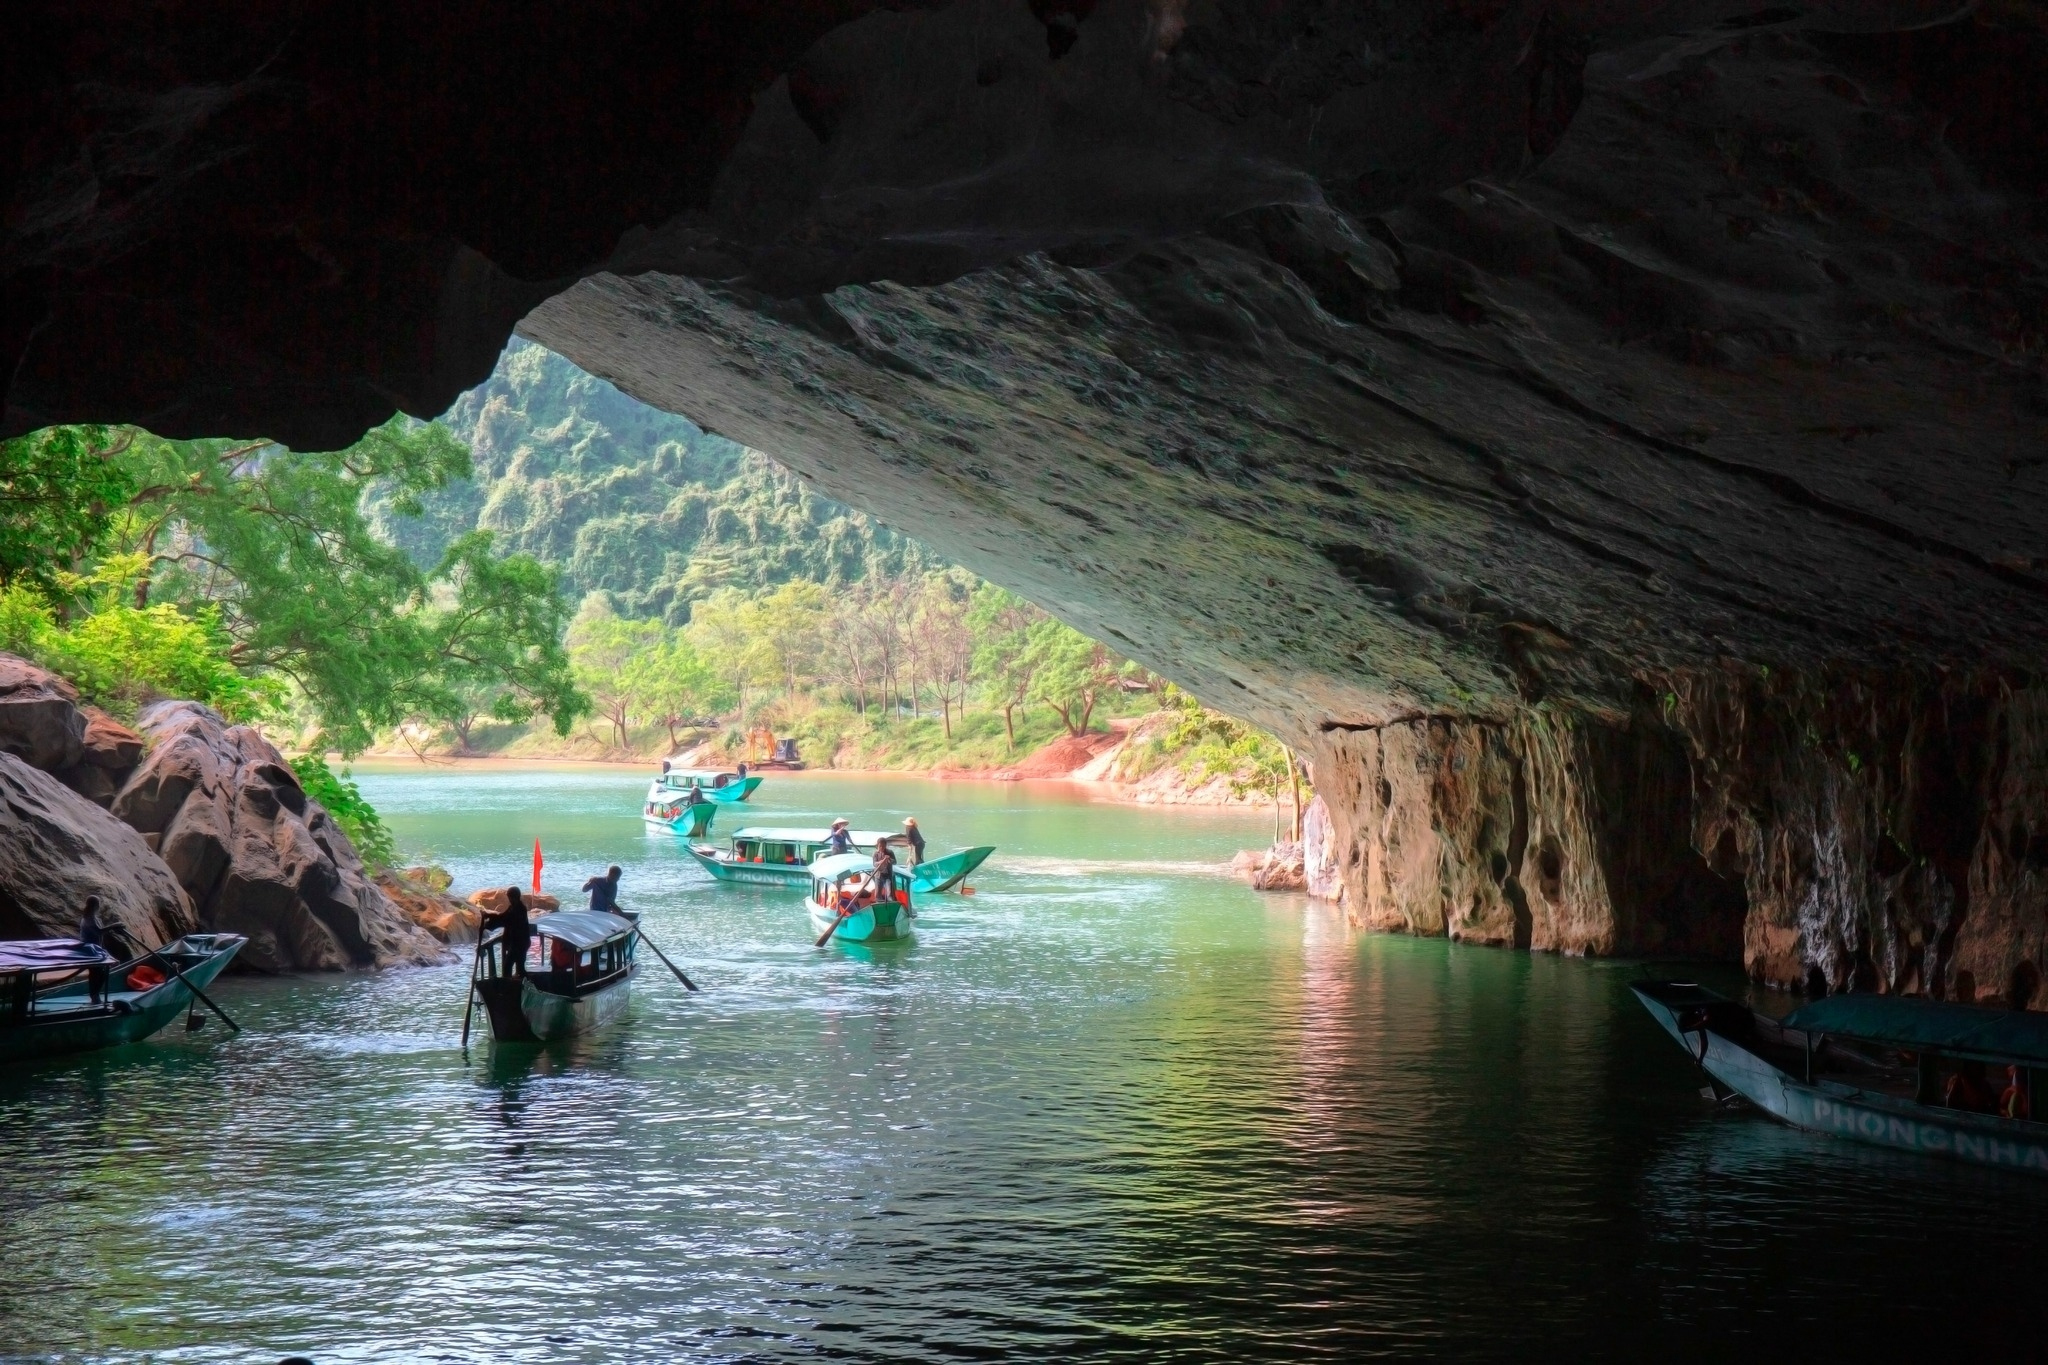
<point>1942,1026</point>
<point>582,928</point>
<point>841,865</point>
<point>771,834</point>
<point>49,954</point>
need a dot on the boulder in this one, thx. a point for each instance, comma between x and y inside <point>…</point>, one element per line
<point>422,894</point>
<point>492,900</point>
<point>227,815</point>
<point>57,848</point>
<point>1278,868</point>
<point>109,753</point>
<point>40,722</point>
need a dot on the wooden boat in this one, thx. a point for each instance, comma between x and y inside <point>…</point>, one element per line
<point>717,784</point>
<point>46,1005</point>
<point>871,920</point>
<point>943,874</point>
<point>778,856</point>
<point>1879,1068</point>
<point>674,810</point>
<point>586,982</point>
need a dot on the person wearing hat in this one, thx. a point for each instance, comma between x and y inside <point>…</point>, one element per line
<point>839,841</point>
<point>916,837</point>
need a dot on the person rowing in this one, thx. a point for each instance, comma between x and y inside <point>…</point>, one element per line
<point>604,892</point>
<point>839,840</point>
<point>915,837</point>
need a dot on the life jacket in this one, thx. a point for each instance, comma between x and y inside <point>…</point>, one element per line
<point>145,978</point>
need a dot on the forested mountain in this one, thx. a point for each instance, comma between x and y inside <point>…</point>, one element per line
<point>626,498</point>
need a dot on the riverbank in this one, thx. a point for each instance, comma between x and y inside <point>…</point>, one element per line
<point>1121,761</point>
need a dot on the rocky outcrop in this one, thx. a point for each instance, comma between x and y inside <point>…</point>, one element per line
<point>1278,868</point>
<point>43,724</point>
<point>57,848</point>
<point>1322,861</point>
<point>225,812</point>
<point>40,721</point>
<point>421,895</point>
<point>492,900</point>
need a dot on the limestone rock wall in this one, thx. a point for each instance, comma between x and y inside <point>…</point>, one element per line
<point>1838,831</point>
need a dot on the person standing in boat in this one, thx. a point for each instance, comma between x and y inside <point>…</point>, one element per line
<point>884,875</point>
<point>604,891</point>
<point>518,932</point>
<point>93,934</point>
<point>915,837</point>
<point>839,841</point>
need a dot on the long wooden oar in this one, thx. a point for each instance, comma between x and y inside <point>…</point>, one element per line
<point>475,965</point>
<point>845,915</point>
<point>202,996</point>
<point>664,958</point>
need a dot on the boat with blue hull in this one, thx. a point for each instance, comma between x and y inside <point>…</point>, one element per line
<point>716,784</point>
<point>582,981</point>
<point>59,996</point>
<point>843,905</point>
<point>775,855</point>
<point>1959,1081</point>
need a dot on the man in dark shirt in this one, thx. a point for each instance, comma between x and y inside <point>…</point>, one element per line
<point>604,891</point>
<point>518,932</point>
<point>916,838</point>
<point>93,935</point>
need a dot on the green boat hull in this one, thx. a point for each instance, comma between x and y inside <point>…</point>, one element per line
<point>884,922</point>
<point>127,1017</point>
<point>693,822</point>
<point>943,874</point>
<point>759,874</point>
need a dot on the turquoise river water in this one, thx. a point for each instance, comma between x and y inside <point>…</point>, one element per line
<point>1115,1106</point>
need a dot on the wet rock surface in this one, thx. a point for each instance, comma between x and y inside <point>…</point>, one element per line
<point>226,814</point>
<point>57,848</point>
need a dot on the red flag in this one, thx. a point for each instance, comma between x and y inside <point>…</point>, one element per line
<point>536,867</point>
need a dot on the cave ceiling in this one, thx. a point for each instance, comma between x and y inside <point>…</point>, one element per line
<point>1345,361</point>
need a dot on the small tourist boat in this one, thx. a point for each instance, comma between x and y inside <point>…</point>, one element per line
<point>46,1004</point>
<point>873,919</point>
<point>587,981</point>
<point>717,784</point>
<point>943,874</point>
<point>1880,1068</point>
<point>776,856</point>
<point>672,809</point>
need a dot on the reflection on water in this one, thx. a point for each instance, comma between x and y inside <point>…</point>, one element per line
<point>1114,1106</point>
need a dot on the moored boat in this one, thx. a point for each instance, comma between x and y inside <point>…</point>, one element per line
<point>1897,1071</point>
<point>717,784</point>
<point>46,992</point>
<point>675,810</point>
<point>587,981</point>
<point>943,874</point>
<point>832,901</point>
<point>777,856</point>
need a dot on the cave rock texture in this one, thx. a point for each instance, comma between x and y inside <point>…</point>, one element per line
<point>1608,439</point>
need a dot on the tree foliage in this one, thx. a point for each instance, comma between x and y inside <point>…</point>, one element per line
<point>344,801</point>
<point>61,490</point>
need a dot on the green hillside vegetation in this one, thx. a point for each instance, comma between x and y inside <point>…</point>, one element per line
<point>634,502</point>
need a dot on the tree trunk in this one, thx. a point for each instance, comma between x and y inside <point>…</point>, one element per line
<point>1294,779</point>
<point>1010,726</point>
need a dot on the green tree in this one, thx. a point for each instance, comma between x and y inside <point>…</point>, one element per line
<point>605,651</point>
<point>277,543</point>
<point>1001,622</point>
<point>1069,672</point>
<point>673,684</point>
<point>730,633</point>
<point>61,491</point>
